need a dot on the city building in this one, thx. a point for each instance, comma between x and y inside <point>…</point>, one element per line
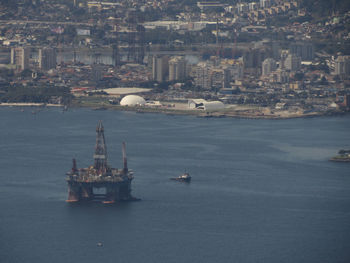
<point>304,50</point>
<point>207,5</point>
<point>20,57</point>
<point>160,68</point>
<point>236,70</point>
<point>253,58</point>
<point>219,78</point>
<point>292,62</point>
<point>265,3</point>
<point>253,6</point>
<point>243,7</point>
<point>96,72</point>
<point>205,105</point>
<point>342,66</point>
<point>47,58</point>
<point>268,66</point>
<point>202,75</point>
<point>282,76</point>
<point>177,68</point>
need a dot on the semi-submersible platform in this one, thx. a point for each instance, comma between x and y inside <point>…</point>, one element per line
<point>83,182</point>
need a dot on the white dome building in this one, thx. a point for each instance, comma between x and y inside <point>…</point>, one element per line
<point>132,100</point>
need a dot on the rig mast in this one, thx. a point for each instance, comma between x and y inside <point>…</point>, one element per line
<point>100,156</point>
<point>116,182</point>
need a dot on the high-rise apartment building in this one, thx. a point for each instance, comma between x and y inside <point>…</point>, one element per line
<point>292,62</point>
<point>304,50</point>
<point>265,3</point>
<point>20,57</point>
<point>268,66</point>
<point>177,68</point>
<point>202,75</point>
<point>342,66</point>
<point>47,58</point>
<point>160,68</point>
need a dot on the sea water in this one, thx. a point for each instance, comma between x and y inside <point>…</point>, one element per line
<point>261,190</point>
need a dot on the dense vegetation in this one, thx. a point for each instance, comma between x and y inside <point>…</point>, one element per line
<point>321,8</point>
<point>35,94</point>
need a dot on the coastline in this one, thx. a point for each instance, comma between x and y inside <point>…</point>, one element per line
<point>30,104</point>
<point>204,114</point>
<point>170,111</point>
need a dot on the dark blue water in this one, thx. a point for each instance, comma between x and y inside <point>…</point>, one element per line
<point>262,190</point>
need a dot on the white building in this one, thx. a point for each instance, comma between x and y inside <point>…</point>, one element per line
<point>132,100</point>
<point>205,105</point>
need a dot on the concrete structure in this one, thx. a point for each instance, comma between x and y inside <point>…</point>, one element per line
<point>242,8</point>
<point>96,72</point>
<point>195,103</point>
<point>220,78</point>
<point>207,5</point>
<point>253,58</point>
<point>160,68</point>
<point>83,182</point>
<point>20,58</point>
<point>205,105</point>
<point>268,66</point>
<point>304,50</point>
<point>253,6</point>
<point>213,106</point>
<point>177,68</point>
<point>342,66</point>
<point>282,76</point>
<point>47,58</point>
<point>132,100</point>
<point>235,67</point>
<point>265,3</point>
<point>292,62</point>
<point>202,75</point>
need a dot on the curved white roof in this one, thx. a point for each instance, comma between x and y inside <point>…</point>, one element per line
<point>213,105</point>
<point>132,100</point>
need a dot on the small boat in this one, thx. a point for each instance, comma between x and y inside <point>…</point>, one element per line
<point>99,244</point>
<point>108,202</point>
<point>185,177</point>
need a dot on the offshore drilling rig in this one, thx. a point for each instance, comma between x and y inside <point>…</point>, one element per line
<point>116,182</point>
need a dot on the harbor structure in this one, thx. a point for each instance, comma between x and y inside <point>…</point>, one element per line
<point>84,184</point>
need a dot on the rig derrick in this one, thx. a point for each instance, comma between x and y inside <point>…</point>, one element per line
<point>116,182</point>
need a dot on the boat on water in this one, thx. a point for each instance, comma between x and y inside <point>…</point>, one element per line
<point>185,177</point>
<point>343,156</point>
